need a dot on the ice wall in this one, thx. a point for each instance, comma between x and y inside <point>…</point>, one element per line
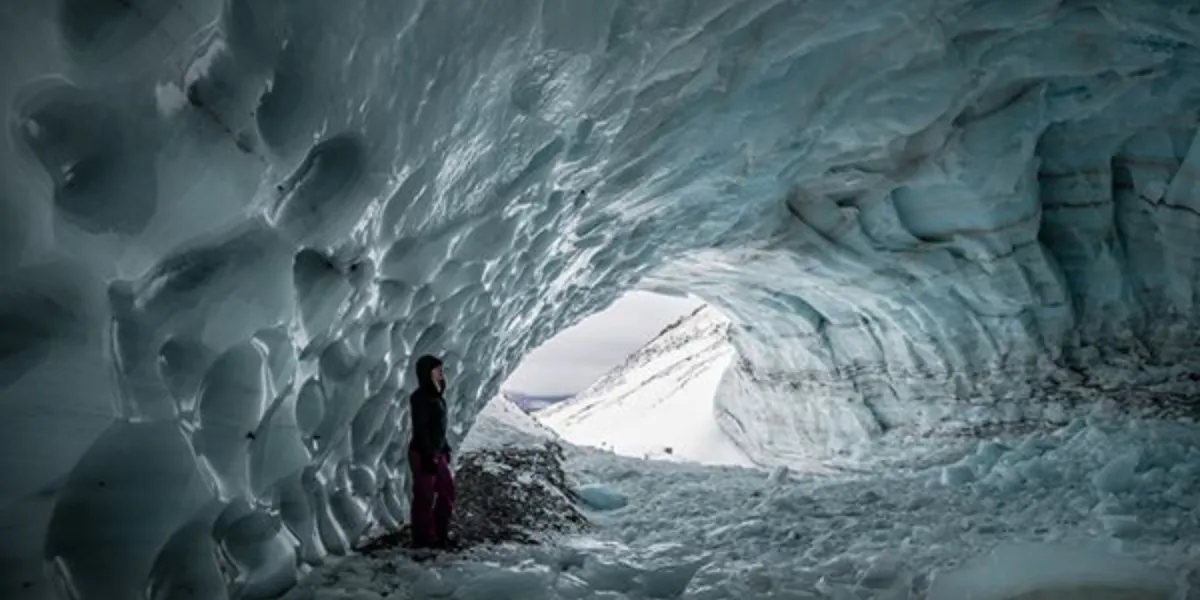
<point>1001,199</point>
<point>227,227</point>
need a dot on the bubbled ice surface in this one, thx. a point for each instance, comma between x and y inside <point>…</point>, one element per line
<point>227,228</point>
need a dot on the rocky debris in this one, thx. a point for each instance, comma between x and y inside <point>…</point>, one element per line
<point>1167,405</point>
<point>987,431</point>
<point>510,494</point>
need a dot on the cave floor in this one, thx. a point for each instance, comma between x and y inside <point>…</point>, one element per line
<point>1103,508</point>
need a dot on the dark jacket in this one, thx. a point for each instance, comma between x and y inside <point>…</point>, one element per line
<point>427,409</point>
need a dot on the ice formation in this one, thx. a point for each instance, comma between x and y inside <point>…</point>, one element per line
<point>1061,572</point>
<point>226,226</point>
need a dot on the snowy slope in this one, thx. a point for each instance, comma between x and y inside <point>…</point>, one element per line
<point>503,422</point>
<point>533,403</point>
<point>659,402</point>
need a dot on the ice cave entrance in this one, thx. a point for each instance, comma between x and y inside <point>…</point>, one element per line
<point>637,378</point>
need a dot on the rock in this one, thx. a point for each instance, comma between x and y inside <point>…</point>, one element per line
<point>508,494</point>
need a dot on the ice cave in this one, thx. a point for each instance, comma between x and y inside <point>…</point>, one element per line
<point>228,226</point>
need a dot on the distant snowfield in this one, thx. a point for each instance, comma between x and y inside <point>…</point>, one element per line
<point>1099,510</point>
<point>659,404</point>
<point>582,353</point>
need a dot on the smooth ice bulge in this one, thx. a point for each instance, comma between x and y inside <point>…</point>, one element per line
<point>1032,572</point>
<point>227,226</point>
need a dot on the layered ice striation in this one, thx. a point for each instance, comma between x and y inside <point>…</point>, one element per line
<point>226,227</point>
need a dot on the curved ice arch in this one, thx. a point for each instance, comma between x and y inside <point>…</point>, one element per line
<point>227,226</point>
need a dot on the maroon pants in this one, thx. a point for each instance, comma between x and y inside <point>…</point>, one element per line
<point>432,500</point>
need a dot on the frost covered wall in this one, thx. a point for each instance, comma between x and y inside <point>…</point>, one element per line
<point>227,228</point>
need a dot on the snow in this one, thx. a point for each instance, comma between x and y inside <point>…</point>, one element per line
<point>503,423</point>
<point>660,402</point>
<point>717,532</point>
<point>579,355</point>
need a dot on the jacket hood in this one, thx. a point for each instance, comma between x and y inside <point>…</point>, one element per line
<point>425,366</point>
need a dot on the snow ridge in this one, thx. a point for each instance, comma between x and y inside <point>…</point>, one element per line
<point>704,324</point>
<point>659,402</point>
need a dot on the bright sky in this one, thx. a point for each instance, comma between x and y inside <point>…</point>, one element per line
<point>578,356</point>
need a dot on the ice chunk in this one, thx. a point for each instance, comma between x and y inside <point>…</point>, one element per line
<point>1121,526</point>
<point>1051,571</point>
<point>1040,470</point>
<point>569,586</point>
<point>956,475</point>
<point>1118,475</point>
<point>988,454</point>
<point>1054,413</point>
<point>668,581</point>
<point>609,575</point>
<point>882,572</point>
<point>506,585</point>
<point>598,496</point>
<point>780,474</point>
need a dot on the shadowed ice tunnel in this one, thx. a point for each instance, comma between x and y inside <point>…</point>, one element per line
<point>227,227</point>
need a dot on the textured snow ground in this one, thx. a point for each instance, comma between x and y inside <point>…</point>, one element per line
<point>1093,510</point>
<point>659,403</point>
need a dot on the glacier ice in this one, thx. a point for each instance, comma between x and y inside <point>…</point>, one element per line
<point>1118,475</point>
<point>226,225</point>
<point>1063,572</point>
<point>601,497</point>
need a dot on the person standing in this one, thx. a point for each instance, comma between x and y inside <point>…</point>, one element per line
<point>432,506</point>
